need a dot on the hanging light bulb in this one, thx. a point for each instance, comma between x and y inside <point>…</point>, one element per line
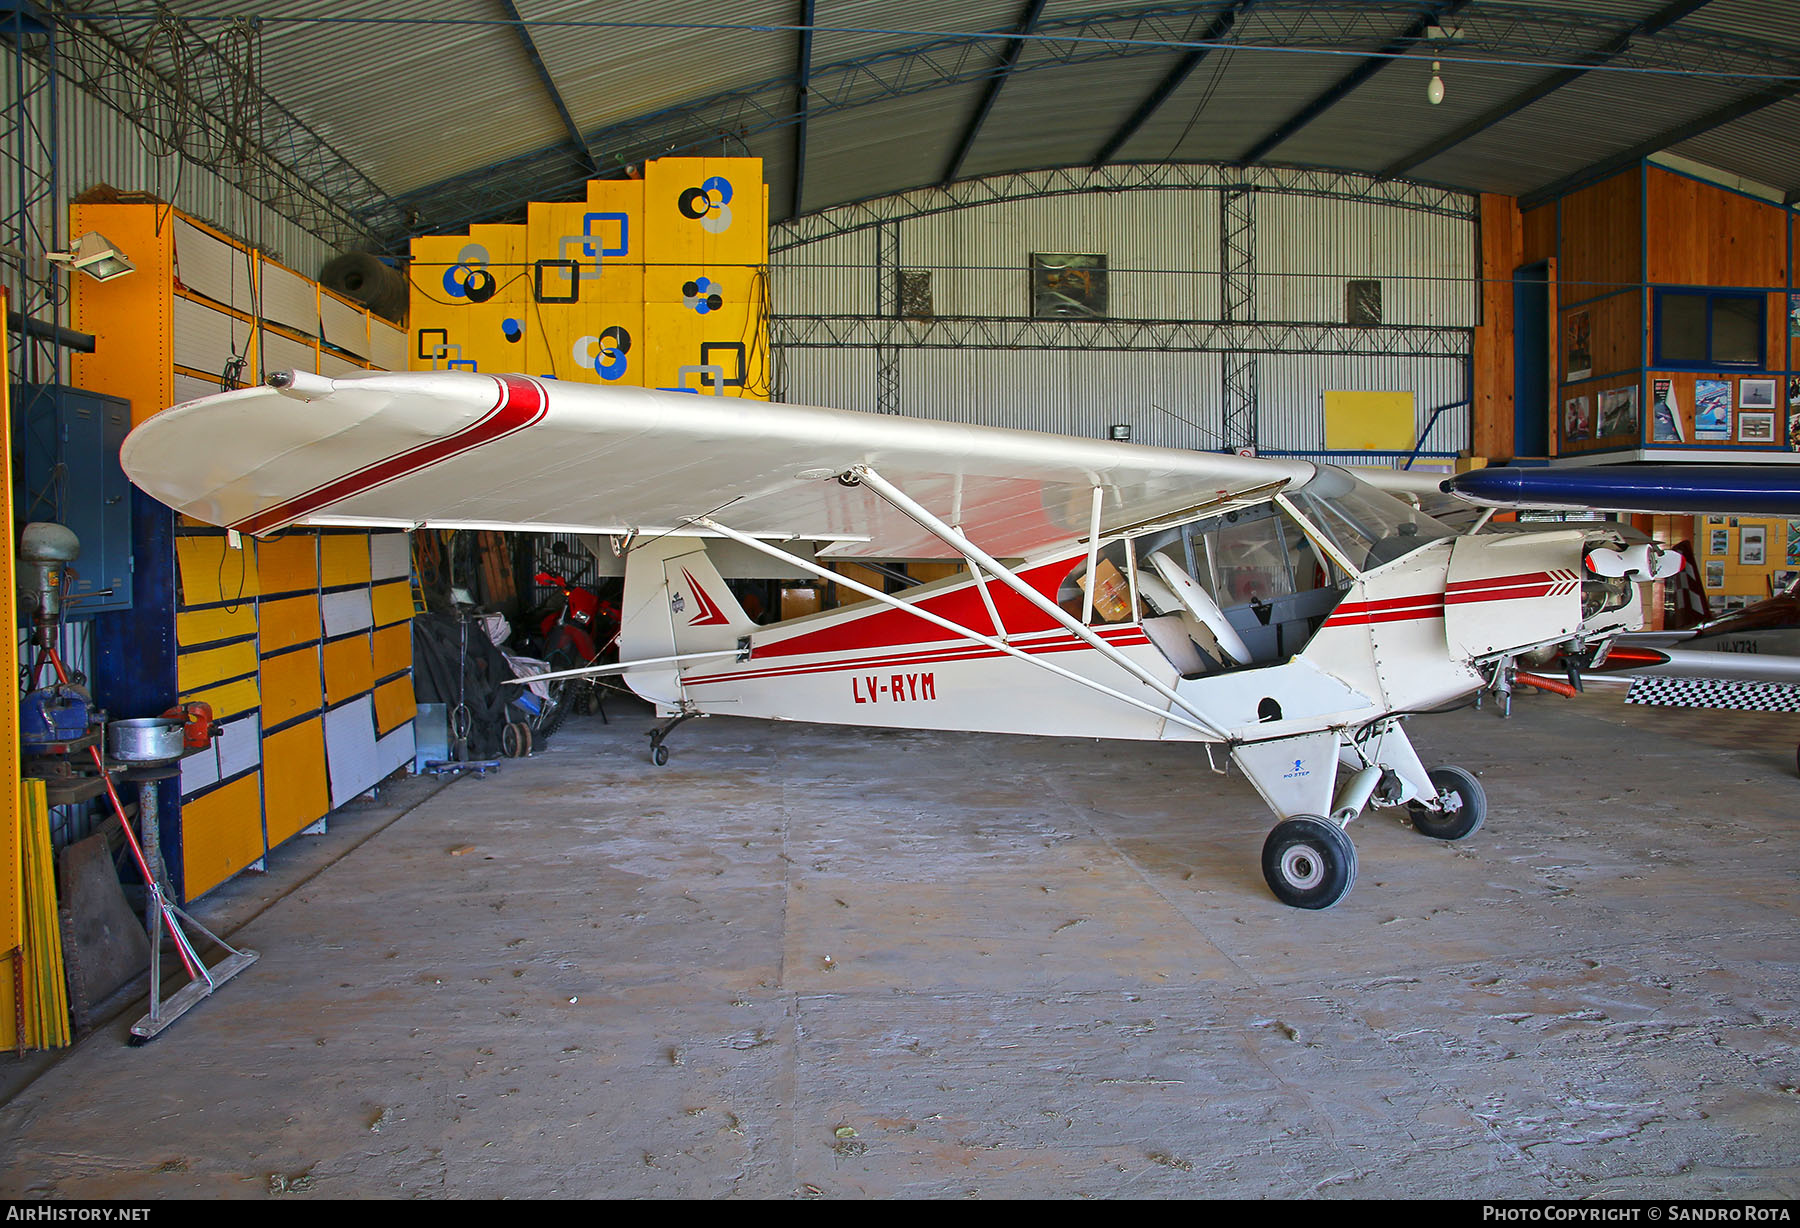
<point>1434,92</point>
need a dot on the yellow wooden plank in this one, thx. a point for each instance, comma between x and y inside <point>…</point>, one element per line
<point>221,833</point>
<point>290,685</point>
<point>343,559</point>
<point>196,627</point>
<point>212,571</point>
<point>289,563</point>
<point>128,316</point>
<point>392,603</point>
<point>392,649</point>
<point>1357,421</point>
<point>202,667</point>
<point>395,704</point>
<point>296,792</point>
<point>288,621</point>
<point>349,668</point>
<point>227,699</point>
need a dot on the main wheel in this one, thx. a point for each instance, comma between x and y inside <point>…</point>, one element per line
<point>1309,862</point>
<point>1464,806</point>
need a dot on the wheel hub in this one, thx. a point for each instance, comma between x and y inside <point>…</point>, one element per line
<point>1302,868</point>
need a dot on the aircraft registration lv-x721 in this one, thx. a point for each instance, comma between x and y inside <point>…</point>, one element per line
<point>1282,615</point>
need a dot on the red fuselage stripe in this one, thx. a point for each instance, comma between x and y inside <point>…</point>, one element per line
<point>521,403</point>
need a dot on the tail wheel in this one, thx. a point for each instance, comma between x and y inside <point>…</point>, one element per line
<point>1462,806</point>
<point>1309,862</point>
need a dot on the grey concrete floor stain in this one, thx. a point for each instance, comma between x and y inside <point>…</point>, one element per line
<point>803,962</point>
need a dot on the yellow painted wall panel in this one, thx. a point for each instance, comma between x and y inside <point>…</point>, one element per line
<point>227,698</point>
<point>349,668</point>
<point>221,833</point>
<point>296,792</point>
<point>392,603</point>
<point>394,705</point>
<point>598,345</point>
<point>194,627</point>
<point>203,667</point>
<point>211,570</point>
<point>288,621</point>
<point>727,339</point>
<point>707,210</point>
<point>392,649</point>
<point>130,317</point>
<point>291,685</point>
<point>620,204</point>
<point>289,563</point>
<point>1357,421</point>
<point>343,559</point>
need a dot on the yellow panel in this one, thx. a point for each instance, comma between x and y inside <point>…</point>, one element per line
<point>728,339</point>
<point>1369,422</point>
<point>349,668</point>
<point>601,345</point>
<point>221,833</point>
<point>394,705</point>
<point>289,563</point>
<point>130,317</point>
<point>705,210</point>
<point>296,791</point>
<point>227,698</point>
<point>212,571</point>
<point>343,559</point>
<point>392,602</point>
<point>218,623</point>
<point>703,288</point>
<point>290,685</point>
<point>288,621</point>
<point>12,826</point>
<point>615,212</point>
<point>203,667</point>
<point>392,648</point>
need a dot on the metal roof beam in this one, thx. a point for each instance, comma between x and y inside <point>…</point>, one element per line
<point>529,46</point>
<point>1014,49</point>
<point>1613,47</point>
<point>1396,46</point>
<point>800,91</point>
<point>1698,126</point>
<point>1220,27</point>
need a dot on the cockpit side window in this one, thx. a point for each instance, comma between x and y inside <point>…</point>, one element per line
<point>1114,587</point>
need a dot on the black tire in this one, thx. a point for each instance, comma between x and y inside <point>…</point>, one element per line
<point>1465,806</point>
<point>555,709</point>
<point>1309,862</point>
<point>659,755</point>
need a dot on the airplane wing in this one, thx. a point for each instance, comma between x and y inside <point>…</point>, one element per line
<point>1680,490</point>
<point>454,449</point>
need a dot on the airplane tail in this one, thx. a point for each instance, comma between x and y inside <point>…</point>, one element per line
<point>676,604</point>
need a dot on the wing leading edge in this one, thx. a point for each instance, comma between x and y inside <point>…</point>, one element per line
<point>453,449</point>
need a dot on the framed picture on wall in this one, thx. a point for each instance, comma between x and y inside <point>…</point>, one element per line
<point>1578,419</point>
<point>1752,540</point>
<point>1756,428</point>
<point>1580,352</point>
<point>1756,394</point>
<point>1718,541</point>
<point>1715,575</point>
<point>1618,411</point>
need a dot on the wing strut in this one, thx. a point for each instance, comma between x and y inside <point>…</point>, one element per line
<point>969,550</point>
<point>988,641</point>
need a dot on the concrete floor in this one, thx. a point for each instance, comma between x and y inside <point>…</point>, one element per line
<point>811,961</point>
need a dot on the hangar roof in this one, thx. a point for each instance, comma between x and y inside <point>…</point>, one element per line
<point>420,116</point>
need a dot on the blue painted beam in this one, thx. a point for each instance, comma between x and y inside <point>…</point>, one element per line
<point>1397,46</point>
<point>529,46</point>
<point>1676,490</point>
<point>1614,47</point>
<point>1220,27</point>
<point>801,89</point>
<point>1014,49</point>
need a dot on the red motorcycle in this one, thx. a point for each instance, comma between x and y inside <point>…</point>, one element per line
<point>577,630</point>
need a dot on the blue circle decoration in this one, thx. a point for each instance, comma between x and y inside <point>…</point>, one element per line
<point>720,185</point>
<point>610,361</point>
<point>512,330</point>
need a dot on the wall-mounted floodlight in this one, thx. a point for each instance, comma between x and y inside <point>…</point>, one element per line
<point>95,255</point>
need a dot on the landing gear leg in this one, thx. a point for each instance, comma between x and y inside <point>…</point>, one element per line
<point>659,754</point>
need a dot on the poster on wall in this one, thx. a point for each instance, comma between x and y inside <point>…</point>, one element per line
<point>1578,419</point>
<point>1618,411</point>
<point>1794,412</point>
<point>1793,543</point>
<point>1794,315</point>
<point>1712,409</point>
<point>1752,539</point>
<point>1580,349</point>
<point>1665,415</point>
<point>1756,394</point>
<point>1756,428</point>
<point>1718,541</point>
<point>1715,575</point>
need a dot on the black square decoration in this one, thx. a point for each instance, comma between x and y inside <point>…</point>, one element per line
<point>429,352</point>
<point>568,266</point>
<point>709,352</point>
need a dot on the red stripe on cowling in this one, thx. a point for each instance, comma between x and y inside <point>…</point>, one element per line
<point>522,403</point>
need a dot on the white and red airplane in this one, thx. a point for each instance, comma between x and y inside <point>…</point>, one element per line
<point>1284,617</point>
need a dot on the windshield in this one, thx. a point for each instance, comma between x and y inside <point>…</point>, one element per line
<point>1370,526</point>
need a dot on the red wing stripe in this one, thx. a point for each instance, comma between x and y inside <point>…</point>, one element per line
<point>522,403</point>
